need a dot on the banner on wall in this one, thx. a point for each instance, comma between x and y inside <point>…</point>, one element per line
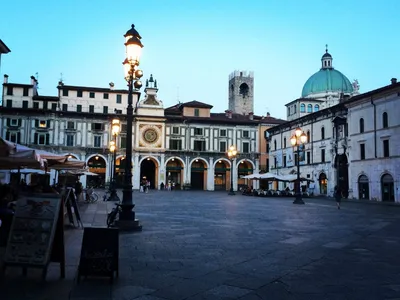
<point>289,157</point>
<point>279,159</point>
<point>302,154</point>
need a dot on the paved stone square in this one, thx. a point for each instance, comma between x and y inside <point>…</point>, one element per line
<point>208,245</point>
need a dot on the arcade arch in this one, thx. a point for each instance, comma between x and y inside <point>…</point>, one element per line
<point>149,167</point>
<point>175,168</point>
<point>198,174</point>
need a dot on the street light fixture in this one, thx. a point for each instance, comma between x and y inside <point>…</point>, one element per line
<point>133,47</point>
<point>232,153</point>
<point>299,138</point>
<point>115,130</point>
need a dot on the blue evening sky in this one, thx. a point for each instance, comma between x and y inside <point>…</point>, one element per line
<point>192,46</point>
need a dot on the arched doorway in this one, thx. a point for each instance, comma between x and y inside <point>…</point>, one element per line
<point>342,169</point>
<point>174,173</point>
<point>97,164</point>
<point>198,175</point>
<point>244,168</point>
<point>120,171</point>
<point>323,184</point>
<point>387,188</point>
<point>222,176</point>
<point>148,170</point>
<point>363,187</point>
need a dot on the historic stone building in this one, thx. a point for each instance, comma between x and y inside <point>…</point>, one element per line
<point>241,92</point>
<point>185,144</point>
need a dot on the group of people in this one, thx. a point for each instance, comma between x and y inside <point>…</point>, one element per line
<point>145,186</point>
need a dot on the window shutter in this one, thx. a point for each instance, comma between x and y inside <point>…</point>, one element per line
<point>36,123</point>
<point>19,137</point>
<point>47,138</point>
<point>19,122</point>
<point>7,135</point>
<point>48,124</point>
<point>35,138</point>
<point>8,122</point>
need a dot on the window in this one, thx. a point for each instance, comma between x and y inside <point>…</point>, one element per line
<point>386,148</point>
<point>245,134</point>
<point>222,132</point>
<point>274,144</point>
<point>267,165</point>
<point>54,106</point>
<point>362,151</point>
<point>199,146</point>
<point>198,131</point>
<point>13,137</point>
<point>36,105</point>
<point>91,108</point>
<point>308,157</point>
<point>105,96</point>
<point>322,155</point>
<point>97,141</point>
<point>222,146</point>
<point>385,123</point>
<point>70,140</point>
<point>65,107</point>
<point>119,99</point>
<point>10,91</point>
<point>97,126</point>
<point>294,108</point>
<point>346,130</point>
<point>25,104</point>
<point>70,125</point>
<point>91,95</point>
<point>123,141</point>
<point>124,127</point>
<point>309,108</point>
<point>246,147</point>
<point>42,124</point>
<point>175,144</point>
<point>284,142</point>
<point>65,93</point>
<point>9,103</point>
<point>275,162</point>
<point>288,111</point>
<point>316,107</point>
<point>197,112</point>
<point>13,122</point>
<point>284,161</point>
<point>79,108</point>
<point>45,104</point>
<point>361,125</point>
<point>322,133</point>
<point>118,111</point>
<point>79,94</point>
<point>26,91</point>
<point>105,109</point>
<point>302,108</point>
<point>175,130</point>
<point>308,136</point>
<point>41,139</point>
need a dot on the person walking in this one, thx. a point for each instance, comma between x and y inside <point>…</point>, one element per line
<point>338,196</point>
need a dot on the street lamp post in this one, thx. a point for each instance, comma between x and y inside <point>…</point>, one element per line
<point>232,152</point>
<point>134,47</point>
<point>299,138</point>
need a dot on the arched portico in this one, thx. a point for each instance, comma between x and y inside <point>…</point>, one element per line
<point>387,187</point>
<point>120,163</point>
<point>149,168</point>
<point>363,187</point>
<point>244,167</point>
<point>97,164</point>
<point>198,173</point>
<point>222,174</point>
<point>175,171</point>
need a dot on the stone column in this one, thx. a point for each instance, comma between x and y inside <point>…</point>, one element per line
<point>136,172</point>
<point>162,171</point>
<point>256,183</point>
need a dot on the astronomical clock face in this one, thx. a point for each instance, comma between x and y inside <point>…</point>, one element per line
<point>150,136</point>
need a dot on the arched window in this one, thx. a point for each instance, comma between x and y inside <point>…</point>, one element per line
<point>316,107</point>
<point>309,108</point>
<point>302,108</point>
<point>385,123</point>
<point>322,133</point>
<point>274,144</point>
<point>308,136</point>
<point>361,125</point>
<point>284,142</point>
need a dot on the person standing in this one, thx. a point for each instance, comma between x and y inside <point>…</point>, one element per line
<point>338,196</point>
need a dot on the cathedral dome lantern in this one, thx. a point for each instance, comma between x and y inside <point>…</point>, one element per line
<point>326,60</point>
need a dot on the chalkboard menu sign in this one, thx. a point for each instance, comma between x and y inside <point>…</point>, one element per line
<point>32,231</point>
<point>99,253</point>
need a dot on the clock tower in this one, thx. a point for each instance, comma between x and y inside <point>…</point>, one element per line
<point>241,92</point>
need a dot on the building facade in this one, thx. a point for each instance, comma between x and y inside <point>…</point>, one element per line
<point>184,144</point>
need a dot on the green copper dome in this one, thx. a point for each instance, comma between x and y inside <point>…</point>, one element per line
<point>327,79</point>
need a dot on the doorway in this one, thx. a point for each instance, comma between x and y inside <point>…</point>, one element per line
<point>342,169</point>
<point>363,187</point>
<point>387,188</point>
<point>323,184</point>
<point>148,172</point>
<point>197,175</point>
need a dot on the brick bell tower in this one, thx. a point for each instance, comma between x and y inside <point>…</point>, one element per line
<point>241,92</point>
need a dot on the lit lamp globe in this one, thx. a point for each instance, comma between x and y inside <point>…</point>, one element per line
<point>303,138</point>
<point>298,132</point>
<point>112,146</point>
<point>115,126</point>
<point>293,140</point>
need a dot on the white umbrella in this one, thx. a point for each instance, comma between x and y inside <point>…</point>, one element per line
<point>252,176</point>
<point>269,176</point>
<point>28,171</point>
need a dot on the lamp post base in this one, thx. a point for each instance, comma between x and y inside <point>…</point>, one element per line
<point>127,221</point>
<point>298,200</point>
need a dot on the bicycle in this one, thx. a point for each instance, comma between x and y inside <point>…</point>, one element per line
<point>91,196</point>
<point>112,216</point>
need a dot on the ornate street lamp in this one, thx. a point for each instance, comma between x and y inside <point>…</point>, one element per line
<point>132,76</point>
<point>299,138</point>
<point>232,153</point>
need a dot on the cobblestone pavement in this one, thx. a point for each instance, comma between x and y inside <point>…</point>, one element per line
<point>208,245</point>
